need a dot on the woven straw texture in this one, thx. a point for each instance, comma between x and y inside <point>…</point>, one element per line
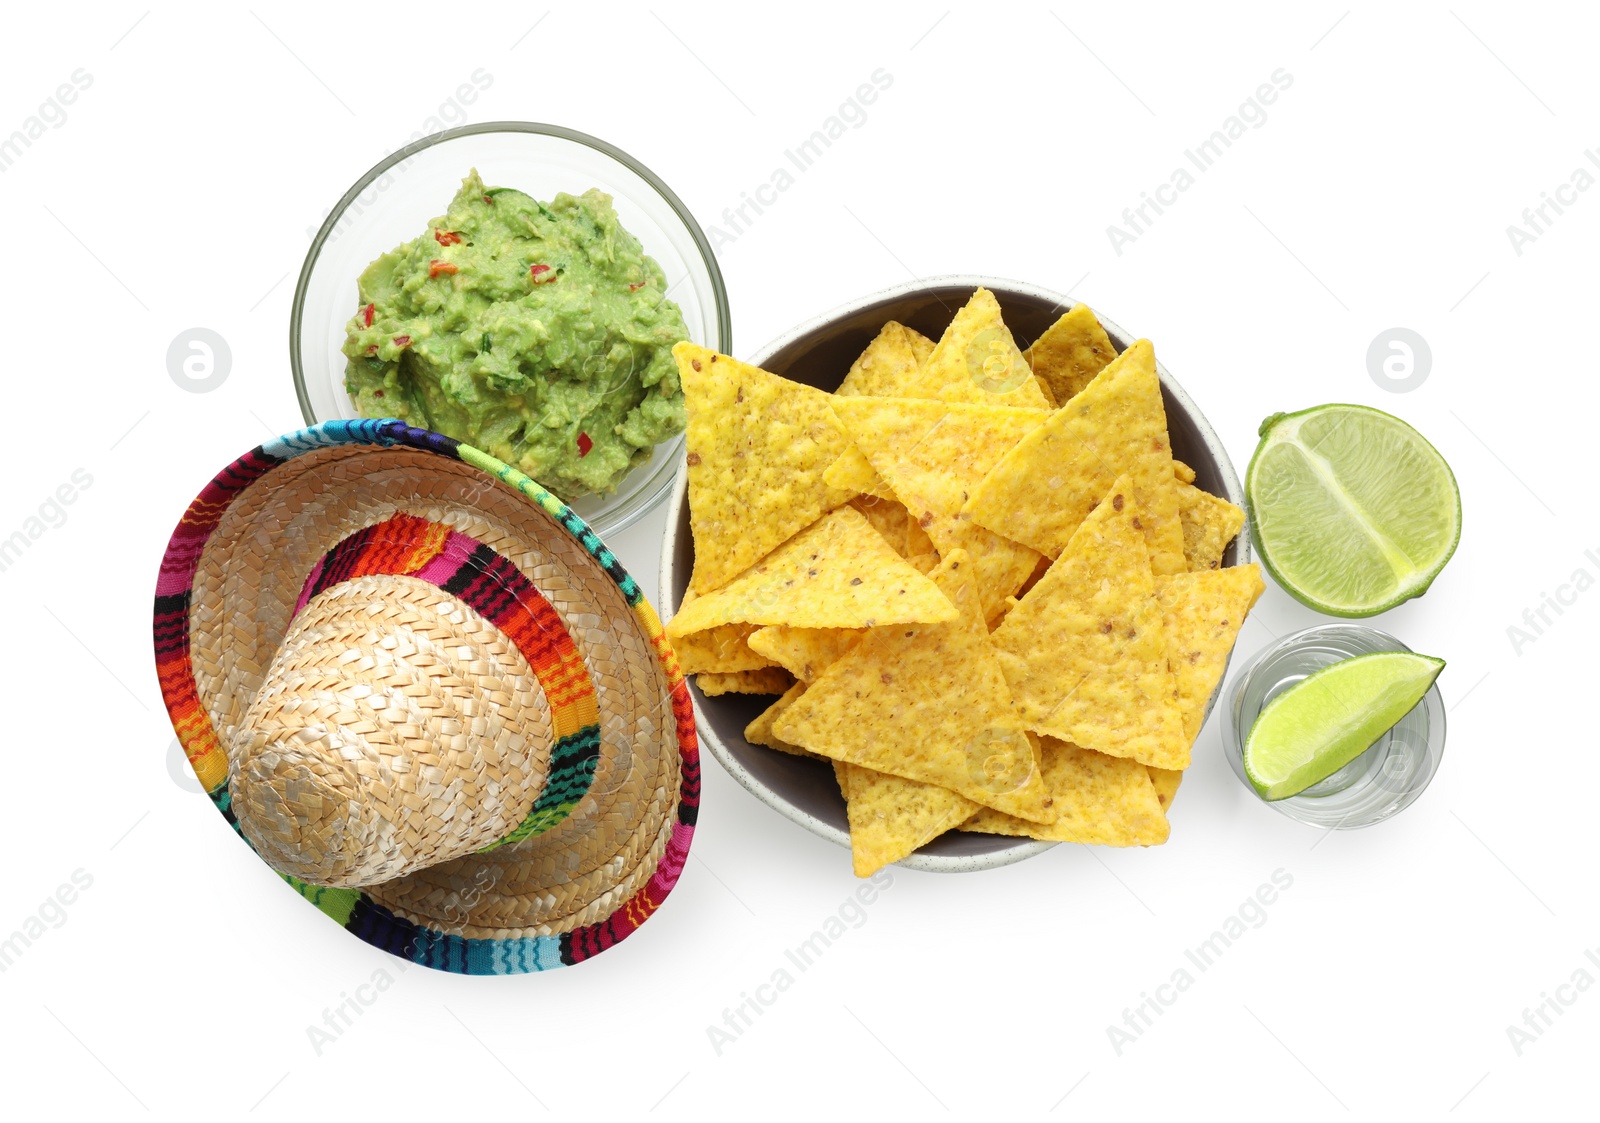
<point>373,743</point>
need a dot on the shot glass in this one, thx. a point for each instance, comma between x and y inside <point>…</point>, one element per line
<point>1381,782</point>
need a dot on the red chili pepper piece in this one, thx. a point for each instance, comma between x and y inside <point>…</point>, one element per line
<point>366,314</point>
<point>373,349</point>
<point>636,286</point>
<point>542,274</point>
<point>377,393</point>
<point>446,237</point>
<point>584,445</point>
<point>402,341</point>
<point>436,267</point>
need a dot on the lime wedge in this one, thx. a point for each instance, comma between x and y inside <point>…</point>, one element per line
<point>1354,511</point>
<point>1329,718</point>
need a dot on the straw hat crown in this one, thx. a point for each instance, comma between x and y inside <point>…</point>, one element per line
<point>395,729</point>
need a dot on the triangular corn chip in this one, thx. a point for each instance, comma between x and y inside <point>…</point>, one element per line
<point>1184,473</point>
<point>1070,353</point>
<point>889,365</point>
<point>1044,487</point>
<point>1104,800</point>
<point>1201,617</point>
<point>1208,523</point>
<point>891,817</point>
<point>803,652</point>
<point>841,776</point>
<point>758,445</point>
<point>917,541</point>
<point>1049,395</point>
<point>837,573</point>
<point>928,703</point>
<point>853,472</point>
<point>977,361</point>
<point>1084,651</point>
<point>767,680</point>
<point>759,731</point>
<point>933,454</point>
<point>1166,781</point>
<point>888,517</point>
<point>717,650</point>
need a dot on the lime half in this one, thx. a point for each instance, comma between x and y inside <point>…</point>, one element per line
<point>1326,720</point>
<point>1353,509</point>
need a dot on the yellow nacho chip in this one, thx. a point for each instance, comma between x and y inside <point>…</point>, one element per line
<point>977,361</point>
<point>888,517</point>
<point>803,652</point>
<point>890,363</point>
<point>1043,488</point>
<point>1104,800</point>
<point>890,816</point>
<point>759,731</point>
<point>927,702</point>
<point>1166,781</point>
<point>917,540</point>
<point>1201,617</point>
<point>841,776</point>
<point>1070,353</point>
<point>1184,473</point>
<point>758,445</point>
<point>837,573</point>
<point>768,680</point>
<point>853,472</point>
<point>1084,651</point>
<point>932,454</point>
<point>1209,523</point>
<point>717,650</point>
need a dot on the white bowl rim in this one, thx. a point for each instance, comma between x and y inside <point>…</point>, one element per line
<point>931,863</point>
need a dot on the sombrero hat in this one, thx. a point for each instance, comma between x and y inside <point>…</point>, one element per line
<point>427,695</point>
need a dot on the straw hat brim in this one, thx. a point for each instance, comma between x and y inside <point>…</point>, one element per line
<point>225,599</point>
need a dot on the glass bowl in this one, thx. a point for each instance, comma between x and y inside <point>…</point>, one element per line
<point>392,204</point>
<point>1378,784</point>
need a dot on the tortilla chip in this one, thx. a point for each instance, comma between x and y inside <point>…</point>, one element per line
<point>888,517</point>
<point>1104,800</point>
<point>768,680</point>
<point>977,361</point>
<point>1165,781</point>
<point>841,776</point>
<point>1184,473</point>
<point>717,650</point>
<point>928,703</point>
<point>891,817</point>
<point>837,573</point>
<point>1043,488</point>
<point>1070,353</point>
<point>1201,616</point>
<point>803,652</point>
<point>1084,651</point>
<point>759,731</point>
<point>853,472</point>
<point>917,540</point>
<point>1209,524</point>
<point>1044,388</point>
<point>933,454</point>
<point>758,445</point>
<point>889,364</point>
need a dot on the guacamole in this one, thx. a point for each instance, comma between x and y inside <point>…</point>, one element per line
<point>537,332</point>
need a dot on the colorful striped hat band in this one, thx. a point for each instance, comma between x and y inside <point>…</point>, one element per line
<point>425,693</point>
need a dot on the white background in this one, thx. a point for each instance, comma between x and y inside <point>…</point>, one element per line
<point>179,192</point>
